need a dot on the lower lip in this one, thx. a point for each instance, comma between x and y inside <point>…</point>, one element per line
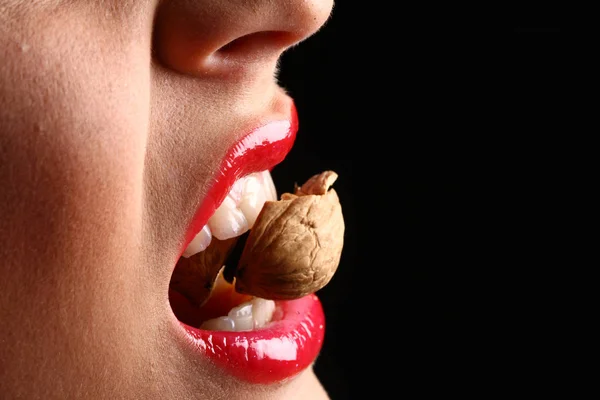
<point>280,351</point>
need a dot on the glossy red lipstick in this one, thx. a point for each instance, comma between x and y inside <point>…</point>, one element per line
<point>292,341</point>
<point>287,346</point>
<point>257,151</point>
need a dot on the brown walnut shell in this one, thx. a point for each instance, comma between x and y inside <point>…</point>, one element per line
<point>194,277</point>
<point>295,245</point>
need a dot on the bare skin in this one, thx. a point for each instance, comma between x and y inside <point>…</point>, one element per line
<point>113,117</point>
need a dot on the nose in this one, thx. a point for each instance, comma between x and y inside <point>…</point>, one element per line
<point>208,37</point>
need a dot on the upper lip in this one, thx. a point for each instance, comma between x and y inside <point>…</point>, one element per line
<point>292,342</point>
<point>261,148</point>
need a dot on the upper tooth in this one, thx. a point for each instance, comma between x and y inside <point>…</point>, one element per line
<point>228,221</point>
<point>199,243</point>
<point>268,181</point>
<point>238,212</point>
<point>253,199</point>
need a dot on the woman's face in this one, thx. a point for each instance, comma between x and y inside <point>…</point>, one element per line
<point>120,129</point>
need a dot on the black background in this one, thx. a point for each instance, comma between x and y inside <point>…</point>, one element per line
<point>442,139</point>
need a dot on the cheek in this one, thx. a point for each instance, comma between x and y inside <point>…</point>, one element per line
<point>86,148</point>
<point>74,112</point>
<point>74,120</point>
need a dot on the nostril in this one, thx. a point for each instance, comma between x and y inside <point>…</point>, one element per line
<point>187,54</point>
<point>212,38</point>
<point>255,45</point>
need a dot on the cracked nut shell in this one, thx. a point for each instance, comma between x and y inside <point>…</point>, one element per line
<point>195,277</point>
<point>295,245</point>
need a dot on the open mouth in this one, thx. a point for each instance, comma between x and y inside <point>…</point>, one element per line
<point>202,290</point>
<point>253,338</point>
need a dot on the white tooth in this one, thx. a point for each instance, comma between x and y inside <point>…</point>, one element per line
<point>270,186</point>
<point>227,221</point>
<point>238,212</point>
<point>199,243</point>
<point>242,317</point>
<point>262,311</point>
<point>219,324</point>
<point>253,199</point>
<point>237,190</point>
<point>253,314</point>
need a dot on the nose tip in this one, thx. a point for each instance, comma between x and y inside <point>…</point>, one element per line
<point>302,18</point>
<point>205,37</point>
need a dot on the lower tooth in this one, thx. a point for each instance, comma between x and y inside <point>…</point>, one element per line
<point>250,315</point>
<point>242,316</point>
<point>219,324</point>
<point>262,311</point>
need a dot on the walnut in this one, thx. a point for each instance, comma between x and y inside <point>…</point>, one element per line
<point>295,245</point>
<point>292,250</point>
<point>195,277</point>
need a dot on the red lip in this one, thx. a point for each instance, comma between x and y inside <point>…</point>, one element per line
<point>283,349</point>
<point>259,150</point>
<point>293,340</point>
